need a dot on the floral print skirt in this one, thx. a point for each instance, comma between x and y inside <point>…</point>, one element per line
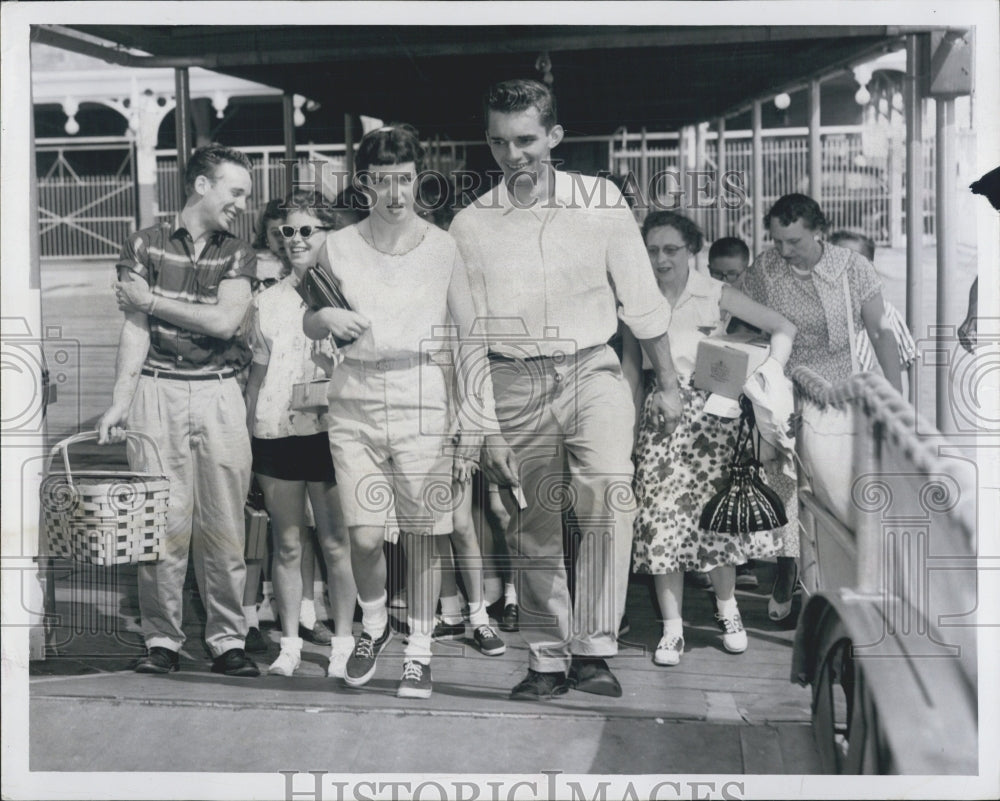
<point>676,474</point>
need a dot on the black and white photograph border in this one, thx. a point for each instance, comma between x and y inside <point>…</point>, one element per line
<point>311,775</point>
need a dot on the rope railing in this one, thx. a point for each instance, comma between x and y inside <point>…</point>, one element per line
<point>888,415</point>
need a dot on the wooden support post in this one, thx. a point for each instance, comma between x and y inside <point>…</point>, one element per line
<point>348,148</point>
<point>757,182</point>
<point>913,105</point>
<point>815,144</point>
<point>945,225</point>
<point>182,109</point>
<point>720,171</point>
<point>288,125</point>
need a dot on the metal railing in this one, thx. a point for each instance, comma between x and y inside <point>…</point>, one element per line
<point>87,215</point>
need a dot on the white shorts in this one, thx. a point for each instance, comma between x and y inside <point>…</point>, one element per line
<point>390,447</point>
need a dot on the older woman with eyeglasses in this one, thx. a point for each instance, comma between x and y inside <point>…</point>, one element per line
<point>677,473</point>
<point>291,454</point>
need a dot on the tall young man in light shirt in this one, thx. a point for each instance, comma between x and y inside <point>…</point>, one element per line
<point>554,261</point>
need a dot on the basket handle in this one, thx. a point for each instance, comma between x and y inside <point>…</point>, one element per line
<point>63,448</point>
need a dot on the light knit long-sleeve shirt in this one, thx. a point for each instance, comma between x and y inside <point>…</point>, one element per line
<point>557,275</point>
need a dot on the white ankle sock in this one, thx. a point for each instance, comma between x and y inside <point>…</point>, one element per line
<point>250,613</point>
<point>374,616</point>
<point>478,615</point>
<point>726,607</point>
<point>673,626</point>
<point>418,647</point>
<point>509,594</point>
<point>451,609</point>
<point>307,614</point>
<point>341,645</point>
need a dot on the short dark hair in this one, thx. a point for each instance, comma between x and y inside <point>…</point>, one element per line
<point>311,202</point>
<point>688,229</point>
<point>205,160</point>
<point>866,242</point>
<point>272,211</point>
<point>729,246</point>
<point>789,208</point>
<point>393,144</point>
<point>518,95</point>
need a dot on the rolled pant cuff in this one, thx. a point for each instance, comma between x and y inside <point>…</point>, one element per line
<point>602,651</point>
<point>164,642</point>
<point>549,664</point>
<point>219,647</point>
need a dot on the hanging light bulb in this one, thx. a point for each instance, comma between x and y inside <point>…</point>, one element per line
<point>70,106</point>
<point>782,101</point>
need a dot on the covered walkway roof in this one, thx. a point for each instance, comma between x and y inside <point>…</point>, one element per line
<point>433,76</point>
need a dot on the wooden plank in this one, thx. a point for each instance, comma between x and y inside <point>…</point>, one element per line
<point>761,750</point>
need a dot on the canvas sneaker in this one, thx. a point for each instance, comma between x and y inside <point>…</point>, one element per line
<point>488,641</point>
<point>416,681</point>
<point>361,663</point>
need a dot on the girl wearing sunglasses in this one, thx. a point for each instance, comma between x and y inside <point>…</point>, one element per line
<point>291,455</point>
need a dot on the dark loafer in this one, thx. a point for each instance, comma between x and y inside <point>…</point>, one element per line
<point>539,687</point>
<point>592,675</point>
<point>158,660</point>
<point>235,662</point>
<point>319,634</point>
<point>255,642</point>
<point>509,621</point>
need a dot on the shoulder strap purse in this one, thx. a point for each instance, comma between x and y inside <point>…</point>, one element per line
<point>851,336</point>
<point>745,504</point>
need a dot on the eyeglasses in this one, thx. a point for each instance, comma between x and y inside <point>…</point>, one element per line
<point>289,231</point>
<point>728,277</point>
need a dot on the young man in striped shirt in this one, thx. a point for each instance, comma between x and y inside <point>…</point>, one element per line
<point>185,287</point>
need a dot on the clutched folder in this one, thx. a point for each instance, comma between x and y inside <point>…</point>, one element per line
<point>321,290</point>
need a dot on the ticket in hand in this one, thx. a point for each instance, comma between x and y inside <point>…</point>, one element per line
<point>518,494</point>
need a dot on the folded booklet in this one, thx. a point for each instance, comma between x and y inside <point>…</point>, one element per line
<point>320,290</point>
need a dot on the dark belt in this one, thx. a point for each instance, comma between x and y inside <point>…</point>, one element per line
<point>152,372</point>
<point>582,353</point>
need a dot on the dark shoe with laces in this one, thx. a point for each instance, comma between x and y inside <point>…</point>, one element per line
<point>361,663</point>
<point>488,641</point>
<point>538,686</point>
<point>158,660</point>
<point>590,674</point>
<point>509,621</point>
<point>235,662</point>
<point>255,642</point>
<point>416,681</point>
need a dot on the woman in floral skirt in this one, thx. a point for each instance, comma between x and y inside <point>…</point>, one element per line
<point>678,473</point>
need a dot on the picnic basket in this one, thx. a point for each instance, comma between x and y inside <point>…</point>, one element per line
<point>104,517</point>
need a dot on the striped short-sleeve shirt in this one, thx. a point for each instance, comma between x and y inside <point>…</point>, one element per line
<point>163,256</point>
